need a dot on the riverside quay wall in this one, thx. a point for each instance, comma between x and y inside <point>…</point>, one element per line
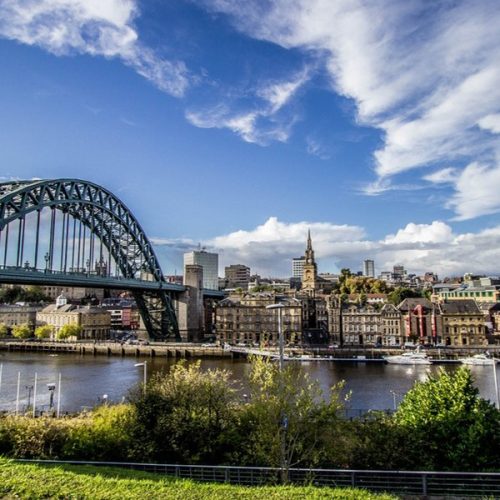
<point>189,350</point>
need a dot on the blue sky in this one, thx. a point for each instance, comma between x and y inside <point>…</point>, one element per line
<point>240,125</point>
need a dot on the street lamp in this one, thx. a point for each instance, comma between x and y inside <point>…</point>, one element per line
<point>284,418</point>
<point>47,259</point>
<point>280,334</point>
<point>51,387</point>
<point>29,388</point>
<point>145,374</point>
<point>394,395</point>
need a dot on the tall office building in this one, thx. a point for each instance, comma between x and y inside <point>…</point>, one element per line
<point>237,275</point>
<point>210,264</point>
<point>369,268</point>
<point>298,267</point>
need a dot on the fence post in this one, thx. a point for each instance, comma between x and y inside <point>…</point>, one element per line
<point>353,479</point>
<point>226,475</point>
<point>424,484</point>
<point>177,471</point>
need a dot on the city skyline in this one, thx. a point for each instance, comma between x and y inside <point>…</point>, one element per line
<point>243,126</point>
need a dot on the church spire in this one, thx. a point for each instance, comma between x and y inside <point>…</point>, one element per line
<point>309,249</point>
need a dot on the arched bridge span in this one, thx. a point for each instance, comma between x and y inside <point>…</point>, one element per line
<point>75,233</point>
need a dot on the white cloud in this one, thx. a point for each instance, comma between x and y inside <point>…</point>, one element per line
<point>476,191</point>
<point>95,27</point>
<point>443,176</point>
<point>491,123</point>
<point>436,232</point>
<point>269,248</point>
<point>425,73</point>
<point>315,148</point>
<point>262,122</point>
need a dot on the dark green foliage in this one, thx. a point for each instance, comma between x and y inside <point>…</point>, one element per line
<point>185,417</point>
<point>399,294</point>
<point>455,429</point>
<point>15,294</point>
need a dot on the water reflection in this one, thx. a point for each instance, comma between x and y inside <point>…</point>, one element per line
<point>86,379</point>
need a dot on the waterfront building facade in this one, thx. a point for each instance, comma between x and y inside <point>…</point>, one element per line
<point>461,323</point>
<point>11,315</point>
<point>245,319</point>
<point>94,321</point>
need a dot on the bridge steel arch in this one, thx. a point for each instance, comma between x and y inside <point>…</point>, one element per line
<point>105,217</point>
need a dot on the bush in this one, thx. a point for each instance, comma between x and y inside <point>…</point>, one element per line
<point>453,427</point>
<point>185,416</point>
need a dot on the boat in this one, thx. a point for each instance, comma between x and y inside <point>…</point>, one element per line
<point>478,360</point>
<point>409,358</point>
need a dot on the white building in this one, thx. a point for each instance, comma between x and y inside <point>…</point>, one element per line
<point>298,267</point>
<point>210,264</point>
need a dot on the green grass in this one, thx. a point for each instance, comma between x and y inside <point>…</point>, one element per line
<point>81,482</point>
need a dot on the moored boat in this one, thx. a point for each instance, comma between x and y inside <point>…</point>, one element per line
<point>409,358</point>
<point>478,360</point>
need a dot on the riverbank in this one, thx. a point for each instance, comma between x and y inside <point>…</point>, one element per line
<point>190,350</point>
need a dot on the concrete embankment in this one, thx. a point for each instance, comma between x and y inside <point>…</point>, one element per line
<point>116,349</point>
<point>186,350</point>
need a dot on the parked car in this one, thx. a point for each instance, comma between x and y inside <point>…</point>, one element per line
<point>333,346</point>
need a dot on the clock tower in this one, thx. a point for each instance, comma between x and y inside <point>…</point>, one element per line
<point>310,271</point>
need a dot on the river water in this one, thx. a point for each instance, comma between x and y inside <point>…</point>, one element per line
<point>85,379</point>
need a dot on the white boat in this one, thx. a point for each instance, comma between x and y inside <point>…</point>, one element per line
<point>409,358</point>
<point>478,360</point>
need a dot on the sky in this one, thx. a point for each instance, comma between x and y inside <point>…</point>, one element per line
<point>238,126</point>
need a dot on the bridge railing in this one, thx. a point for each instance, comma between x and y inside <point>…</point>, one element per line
<point>425,483</point>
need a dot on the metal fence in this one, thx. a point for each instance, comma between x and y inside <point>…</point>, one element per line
<point>462,484</point>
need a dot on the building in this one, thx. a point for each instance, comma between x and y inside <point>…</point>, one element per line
<point>488,293</point>
<point>369,268</point>
<point>18,314</point>
<point>461,323</point>
<point>210,264</point>
<point>94,321</point>
<point>360,325</point>
<point>124,313</point>
<point>310,269</point>
<point>391,331</point>
<point>246,319</point>
<point>237,276</point>
<point>419,321</point>
<point>298,267</point>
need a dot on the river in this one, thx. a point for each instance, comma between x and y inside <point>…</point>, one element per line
<point>85,380</point>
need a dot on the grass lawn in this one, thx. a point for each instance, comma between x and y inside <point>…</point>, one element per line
<point>71,481</point>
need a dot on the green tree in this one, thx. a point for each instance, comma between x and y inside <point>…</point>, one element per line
<point>399,294</point>
<point>185,416</point>
<point>44,331</point>
<point>454,428</point>
<point>68,331</point>
<point>287,418</point>
<point>23,331</point>
<point>4,330</point>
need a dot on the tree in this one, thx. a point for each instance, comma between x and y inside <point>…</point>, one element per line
<point>399,294</point>
<point>286,419</point>
<point>454,428</point>
<point>44,331</point>
<point>68,331</point>
<point>23,331</point>
<point>185,416</point>
<point>4,330</point>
